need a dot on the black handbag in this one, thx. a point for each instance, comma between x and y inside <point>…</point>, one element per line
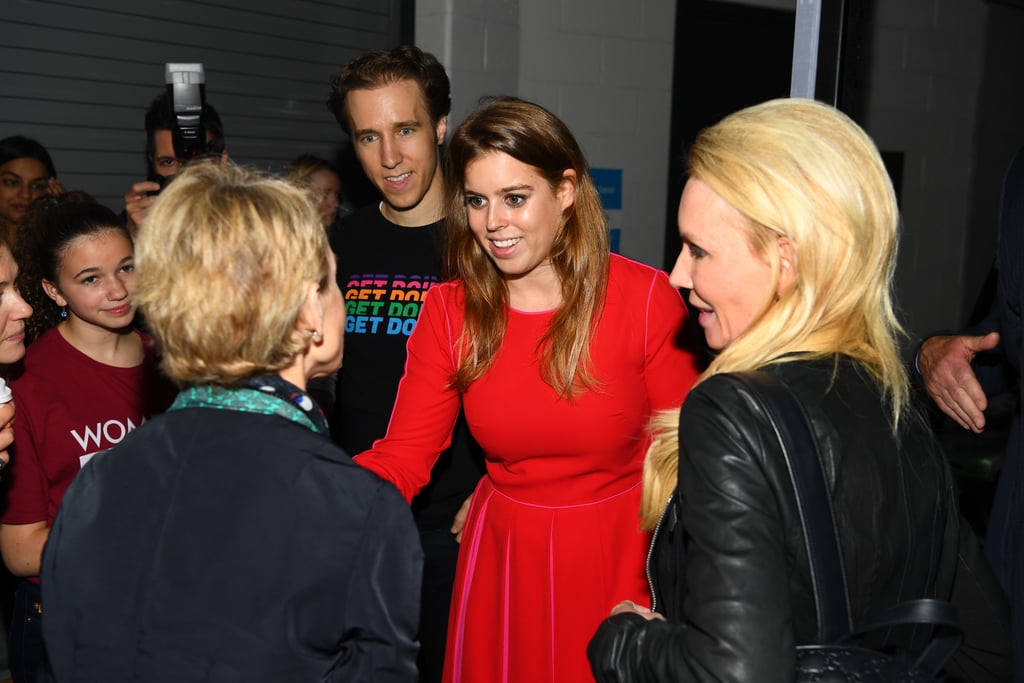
<point>834,658</point>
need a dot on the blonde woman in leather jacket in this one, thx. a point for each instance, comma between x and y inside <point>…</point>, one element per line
<point>789,226</point>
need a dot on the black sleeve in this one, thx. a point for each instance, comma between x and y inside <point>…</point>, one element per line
<point>736,621</point>
<point>984,655</point>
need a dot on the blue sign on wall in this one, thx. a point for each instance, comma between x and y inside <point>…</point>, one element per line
<point>609,186</point>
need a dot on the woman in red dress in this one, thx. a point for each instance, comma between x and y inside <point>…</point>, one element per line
<point>559,352</point>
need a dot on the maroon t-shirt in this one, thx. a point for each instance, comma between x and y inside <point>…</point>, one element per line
<point>68,408</point>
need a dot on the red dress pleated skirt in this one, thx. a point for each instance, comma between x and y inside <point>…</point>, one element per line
<point>534,582</point>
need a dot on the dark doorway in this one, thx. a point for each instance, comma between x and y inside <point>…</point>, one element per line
<point>727,57</point>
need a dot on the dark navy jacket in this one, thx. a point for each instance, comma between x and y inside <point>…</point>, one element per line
<point>215,545</point>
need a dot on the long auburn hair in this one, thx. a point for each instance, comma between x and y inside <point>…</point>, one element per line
<point>534,136</point>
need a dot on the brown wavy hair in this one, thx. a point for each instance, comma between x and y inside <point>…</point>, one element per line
<point>376,69</point>
<point>580,254</point>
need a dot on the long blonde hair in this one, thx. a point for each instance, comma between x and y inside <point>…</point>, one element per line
<point>580,254</point>
<point>802,170</point>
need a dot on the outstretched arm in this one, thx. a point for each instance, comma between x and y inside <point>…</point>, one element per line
<point>945,366</point>
<point>426,407</point>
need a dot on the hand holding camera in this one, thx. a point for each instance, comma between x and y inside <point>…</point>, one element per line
<point>180,127</point>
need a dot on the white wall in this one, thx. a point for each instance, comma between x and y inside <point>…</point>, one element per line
<point>925,76</point>
<point>603,66</point>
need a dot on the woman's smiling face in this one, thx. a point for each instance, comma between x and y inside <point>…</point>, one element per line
<point>730,284</point>
<point>514,214</point>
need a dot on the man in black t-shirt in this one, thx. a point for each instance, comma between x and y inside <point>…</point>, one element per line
<point>394,104</point>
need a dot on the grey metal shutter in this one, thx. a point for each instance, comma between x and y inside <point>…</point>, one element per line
<point>77,75</point>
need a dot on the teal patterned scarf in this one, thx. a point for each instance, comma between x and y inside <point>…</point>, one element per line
<point>265,395</point>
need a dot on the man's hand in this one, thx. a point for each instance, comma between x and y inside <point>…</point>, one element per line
<point>945,365</point>
<point>459,523</point>
<point>137,202</point>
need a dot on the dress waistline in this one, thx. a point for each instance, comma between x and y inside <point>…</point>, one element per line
<point>559,507</point>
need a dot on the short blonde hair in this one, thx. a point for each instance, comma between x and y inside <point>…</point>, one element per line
<point>224,259</point>
<point>802,170</point>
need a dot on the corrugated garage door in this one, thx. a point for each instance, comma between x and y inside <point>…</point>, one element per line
<point>78,74</point>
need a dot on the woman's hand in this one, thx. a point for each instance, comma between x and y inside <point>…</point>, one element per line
<point>6,432</point>
<point>632,607</point>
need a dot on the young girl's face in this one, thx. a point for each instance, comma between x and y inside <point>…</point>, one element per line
<point>96,280</point>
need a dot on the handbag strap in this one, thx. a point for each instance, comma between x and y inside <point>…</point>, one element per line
<point>793,429</point>
<point>936,613</point>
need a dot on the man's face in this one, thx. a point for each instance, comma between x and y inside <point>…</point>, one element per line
<point>164,161</point>
<point>397,146</point>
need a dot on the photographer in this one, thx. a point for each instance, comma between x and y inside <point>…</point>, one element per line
<point>162,160</point>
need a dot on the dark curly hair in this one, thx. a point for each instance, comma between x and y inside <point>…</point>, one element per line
<point>52,224</point>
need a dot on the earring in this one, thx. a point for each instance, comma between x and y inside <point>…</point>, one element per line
<point>63,312</point>
<point>315,336</point>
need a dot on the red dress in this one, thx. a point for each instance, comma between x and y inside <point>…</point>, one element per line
<point>553,540</point>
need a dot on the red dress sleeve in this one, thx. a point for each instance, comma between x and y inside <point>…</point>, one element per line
<point>672,362</point>
<point>426,405</point>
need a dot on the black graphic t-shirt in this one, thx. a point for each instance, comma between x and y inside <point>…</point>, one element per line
<point>384,271</point>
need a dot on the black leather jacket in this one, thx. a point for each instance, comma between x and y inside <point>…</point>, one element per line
<point>728,564</point>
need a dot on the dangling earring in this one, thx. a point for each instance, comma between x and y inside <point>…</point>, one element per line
<point>63,312</point>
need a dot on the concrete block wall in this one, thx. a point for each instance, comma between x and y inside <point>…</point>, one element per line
<point>603,66</point>
<point>924,80</point>
<point>478,41</point>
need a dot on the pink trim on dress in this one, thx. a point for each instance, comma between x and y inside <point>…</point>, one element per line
<point>473,550</point>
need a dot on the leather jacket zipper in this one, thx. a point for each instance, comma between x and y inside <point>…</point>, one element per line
<point>650,552</point>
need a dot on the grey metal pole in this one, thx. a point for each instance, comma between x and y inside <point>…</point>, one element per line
<point>805,48</point>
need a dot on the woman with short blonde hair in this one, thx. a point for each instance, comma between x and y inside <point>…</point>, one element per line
<point>259,278</point>
<point>251,546</point>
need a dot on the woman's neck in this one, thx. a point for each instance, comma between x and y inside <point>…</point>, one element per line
<point>120,348</point>
<point>538,290</point>
<point>294,373</point>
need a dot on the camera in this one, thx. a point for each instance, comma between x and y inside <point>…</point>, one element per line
<point>190,120</point>
<point>186,95</point>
